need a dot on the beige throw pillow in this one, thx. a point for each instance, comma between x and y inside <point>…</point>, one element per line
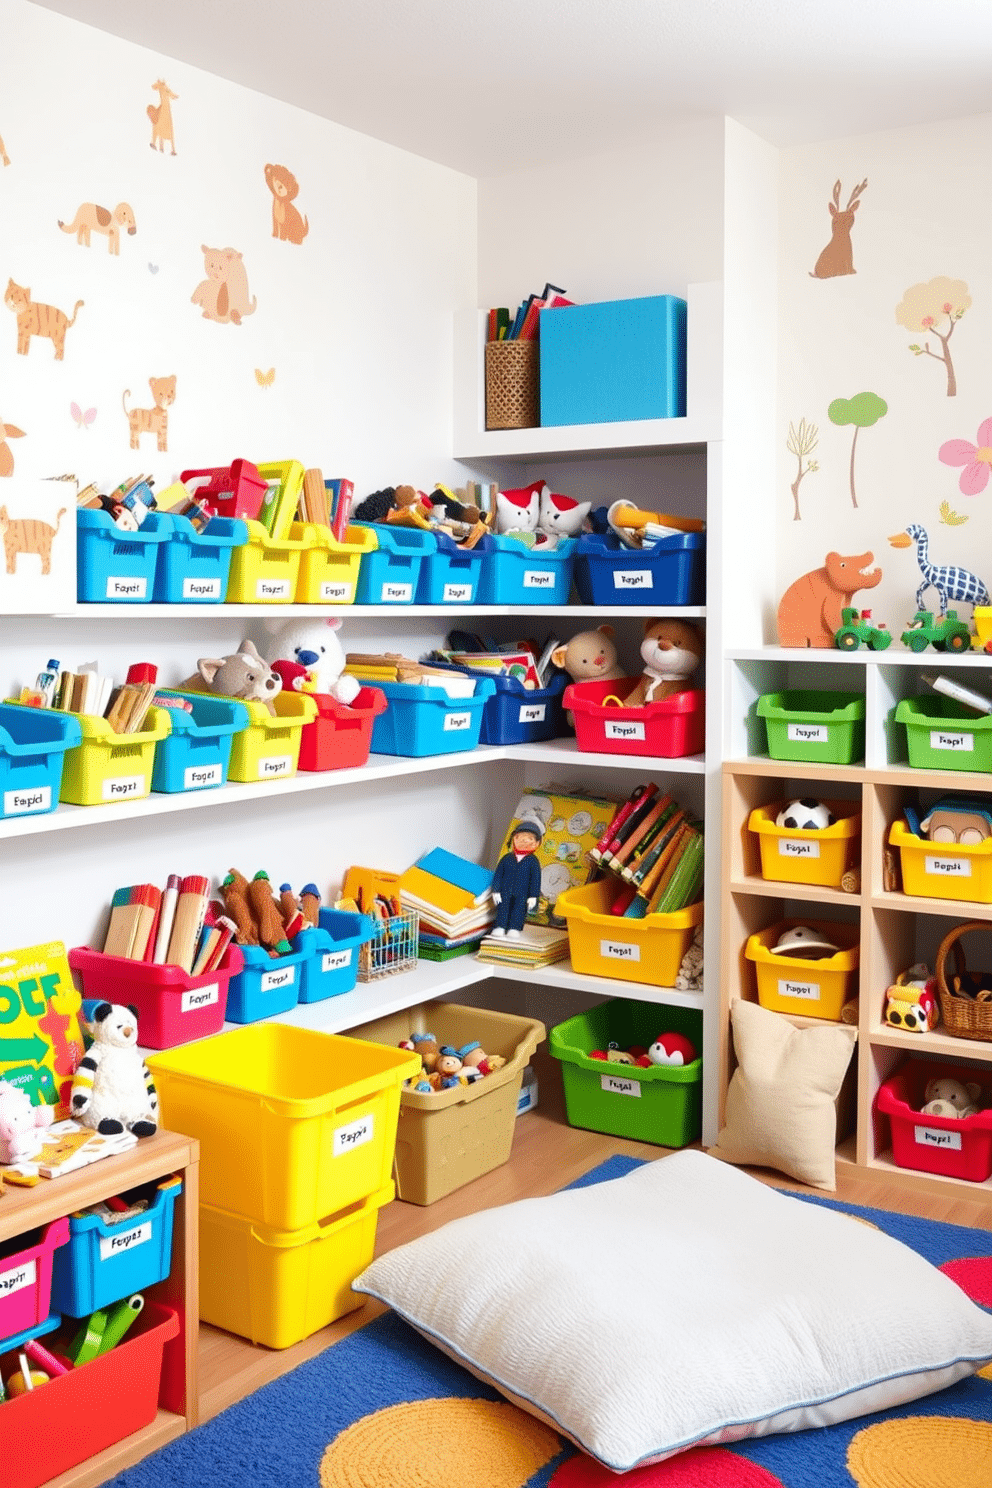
<point>780,1101</point>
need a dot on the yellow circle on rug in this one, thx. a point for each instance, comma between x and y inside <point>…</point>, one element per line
<point>922,1452</point>
<point>422,1443</point>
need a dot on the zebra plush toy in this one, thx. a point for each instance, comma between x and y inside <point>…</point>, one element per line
<point>112,1089</point>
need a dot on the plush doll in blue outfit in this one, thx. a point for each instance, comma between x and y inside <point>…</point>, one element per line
<point>517,880</point>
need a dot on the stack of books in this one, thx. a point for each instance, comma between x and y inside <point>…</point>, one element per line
<point>452,899</point>
<point>538,945</point>
<point>654,848</point>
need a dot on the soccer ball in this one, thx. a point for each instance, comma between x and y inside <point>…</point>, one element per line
<point>805,815</point>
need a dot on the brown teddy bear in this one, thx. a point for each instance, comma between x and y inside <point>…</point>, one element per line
<point>671,651</point>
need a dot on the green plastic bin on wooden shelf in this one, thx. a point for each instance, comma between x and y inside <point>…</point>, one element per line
<point>943,734</point>
<point>814,726</point>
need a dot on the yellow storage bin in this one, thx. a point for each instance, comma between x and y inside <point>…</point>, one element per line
<point>603,944</point>
<point>112,767</point>
<point>789,855</point>
<point>293,1125</point>
<point>284,480</point>
<point>269,748</point>
<point>795,984</point>
<point>275,1286</point>
<point>941,870</point>
<point>329,569</point>
<point>265,570</point>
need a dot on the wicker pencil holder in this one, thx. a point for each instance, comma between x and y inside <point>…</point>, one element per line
<point>965,997</point>
<point>512,385</point>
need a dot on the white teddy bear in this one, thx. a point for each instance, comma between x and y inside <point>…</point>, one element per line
<point>112,1089</point>
<point>314,645</point>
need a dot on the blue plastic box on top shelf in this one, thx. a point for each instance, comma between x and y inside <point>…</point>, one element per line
<point>671,571</point>
<point>33,744</point>
<point>332,964</point>
<point>421,721</point>
<point>514,574</point>
<point>613,361</point>
<point>117,566</point>
<point>391,574</point>
<point>450,575</point>
<point>195,567</point>
<point>196,753</point>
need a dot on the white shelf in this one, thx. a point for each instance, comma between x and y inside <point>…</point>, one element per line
<point>894,656</point>
<point>562,975</point>
<point>351,612</point>
<point>641,436</point>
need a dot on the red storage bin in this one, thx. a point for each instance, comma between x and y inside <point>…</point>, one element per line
<point>671,728</point>
<point>341,735</point>
<point>234,491</point>
<point>26,1285</point>
<point>173,1007</point>
<point>54,1428</point>
<point>935,1144</point>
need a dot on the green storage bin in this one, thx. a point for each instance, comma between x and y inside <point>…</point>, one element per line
<point>660,1104</point>
<point>823,727</point>
<point>942,734</point>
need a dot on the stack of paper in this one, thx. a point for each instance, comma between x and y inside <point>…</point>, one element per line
<point>537,945</point>
<point>451,897</point>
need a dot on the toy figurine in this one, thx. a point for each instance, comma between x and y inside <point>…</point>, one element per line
<point>517,879</point>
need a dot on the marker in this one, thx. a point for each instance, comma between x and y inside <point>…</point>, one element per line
<point>950,689</point>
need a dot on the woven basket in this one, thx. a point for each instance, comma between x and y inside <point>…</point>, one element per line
<point>964,1016</point>
<point>512,385</point>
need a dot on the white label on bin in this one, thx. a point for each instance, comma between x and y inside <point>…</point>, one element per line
<point>455,722</point>
<point>123,787</point>
<point>617,1085</point>
<point>393,593</point>
<point>334,960</point>
<point>197,776</point>
<point>457,594</point>
<point>126,588</point>
<point>275,764</point>
<point>808,991</point>
<point>789,847</point>
<point>948,867</point>
<point>632,578</point>
<point>273,589</point>
<point>200,997</point>
<point>355,1134</point>
<point>538,578</point>
<point>18,1279</point>
<point>619,950</point>
<point>115,1244</point>
<point>808,733</point>
<point>338,590</point>
<point>929,1136</point>
<point>613,729</point>
<point>940,739</point>
<point>532,713</point>
<point>20,802</point>
<point>270,980</point>
<point>201,588</point>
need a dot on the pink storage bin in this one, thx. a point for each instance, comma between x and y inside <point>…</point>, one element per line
<point>26,1281</point>
<point>670,729</point>
<point>173,1008</point>
<point>935,1144</point>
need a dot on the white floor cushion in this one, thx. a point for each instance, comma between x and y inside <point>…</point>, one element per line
<point>683,1304</point>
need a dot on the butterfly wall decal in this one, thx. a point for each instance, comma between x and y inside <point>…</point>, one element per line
<point>265,379</point>
<point>949,516</point>
<point>82,420</point>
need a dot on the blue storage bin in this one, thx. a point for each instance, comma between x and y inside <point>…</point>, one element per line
<point>103,1263</point>
<point>391,574</point>
<point>451,575</point>
<point>513,574</point>
<point>195,754</point>
<point>117,566</point>
<point>613,361</point>
<point>516,714</point>
<point>332,965</point>
<point>194,567</point>
<point>425,720</point>
<point>671,571</point>
<point>267,985</point>
<point>33,742</point>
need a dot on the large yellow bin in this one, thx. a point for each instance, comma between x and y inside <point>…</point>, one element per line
<point>791,855</point>
<point>329,569</point>
<point>938,870</point>
<point>608,945</point>
<point>293,1125</point>
<point>796,984</point>
<point>112,767</point>
<point>277,1286</point>
<point>269,748</point>
<point>265,570</point>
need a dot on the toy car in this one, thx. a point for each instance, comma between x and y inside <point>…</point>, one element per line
<point>943,633</point>
<point>857,628</point>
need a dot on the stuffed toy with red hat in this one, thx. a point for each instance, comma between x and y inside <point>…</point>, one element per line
<point>672,1048</point>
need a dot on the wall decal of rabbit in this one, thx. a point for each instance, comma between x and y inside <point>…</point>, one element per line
<point>838,256</point>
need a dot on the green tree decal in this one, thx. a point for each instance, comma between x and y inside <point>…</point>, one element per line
<point>863,410</point>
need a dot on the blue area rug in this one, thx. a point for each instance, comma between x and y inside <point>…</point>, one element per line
<point>277,1437</point>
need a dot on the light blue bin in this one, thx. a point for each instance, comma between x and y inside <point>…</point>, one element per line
<point>513,574</point>
<point>104,1263</point>
<point>391,575</point>
<point>332,965</point>
<point>267,985</point>
<point>194,567</point>
<point>614,361</point>
<point>117,567</point>
<point>195,754</point>
<point>33,742</point>
<point>421,721</point>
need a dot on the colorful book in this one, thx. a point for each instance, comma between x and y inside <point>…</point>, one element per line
<point>471,877</point>
<point>42,1033</point>
<point>612,837</point>
<point>424,889</point>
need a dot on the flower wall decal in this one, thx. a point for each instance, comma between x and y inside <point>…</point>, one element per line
<point>976,458</point>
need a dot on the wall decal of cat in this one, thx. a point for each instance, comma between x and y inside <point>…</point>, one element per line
<point>34,319</point>
<point>152,420</point>
<point>28,535</point>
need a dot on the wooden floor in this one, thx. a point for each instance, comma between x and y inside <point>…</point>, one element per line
<point>547,1155</point>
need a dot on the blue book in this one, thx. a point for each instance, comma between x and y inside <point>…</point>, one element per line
<point>471,877</point>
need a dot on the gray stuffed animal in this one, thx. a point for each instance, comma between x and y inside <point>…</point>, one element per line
<point>243,674</point>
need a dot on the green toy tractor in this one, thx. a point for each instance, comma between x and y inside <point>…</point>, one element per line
<point>943,633</point>
<point>857,629</point>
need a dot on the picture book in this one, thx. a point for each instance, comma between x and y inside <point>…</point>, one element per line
<point>41,1035</point>
<point>573,822</point>
<point>461,872</point>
